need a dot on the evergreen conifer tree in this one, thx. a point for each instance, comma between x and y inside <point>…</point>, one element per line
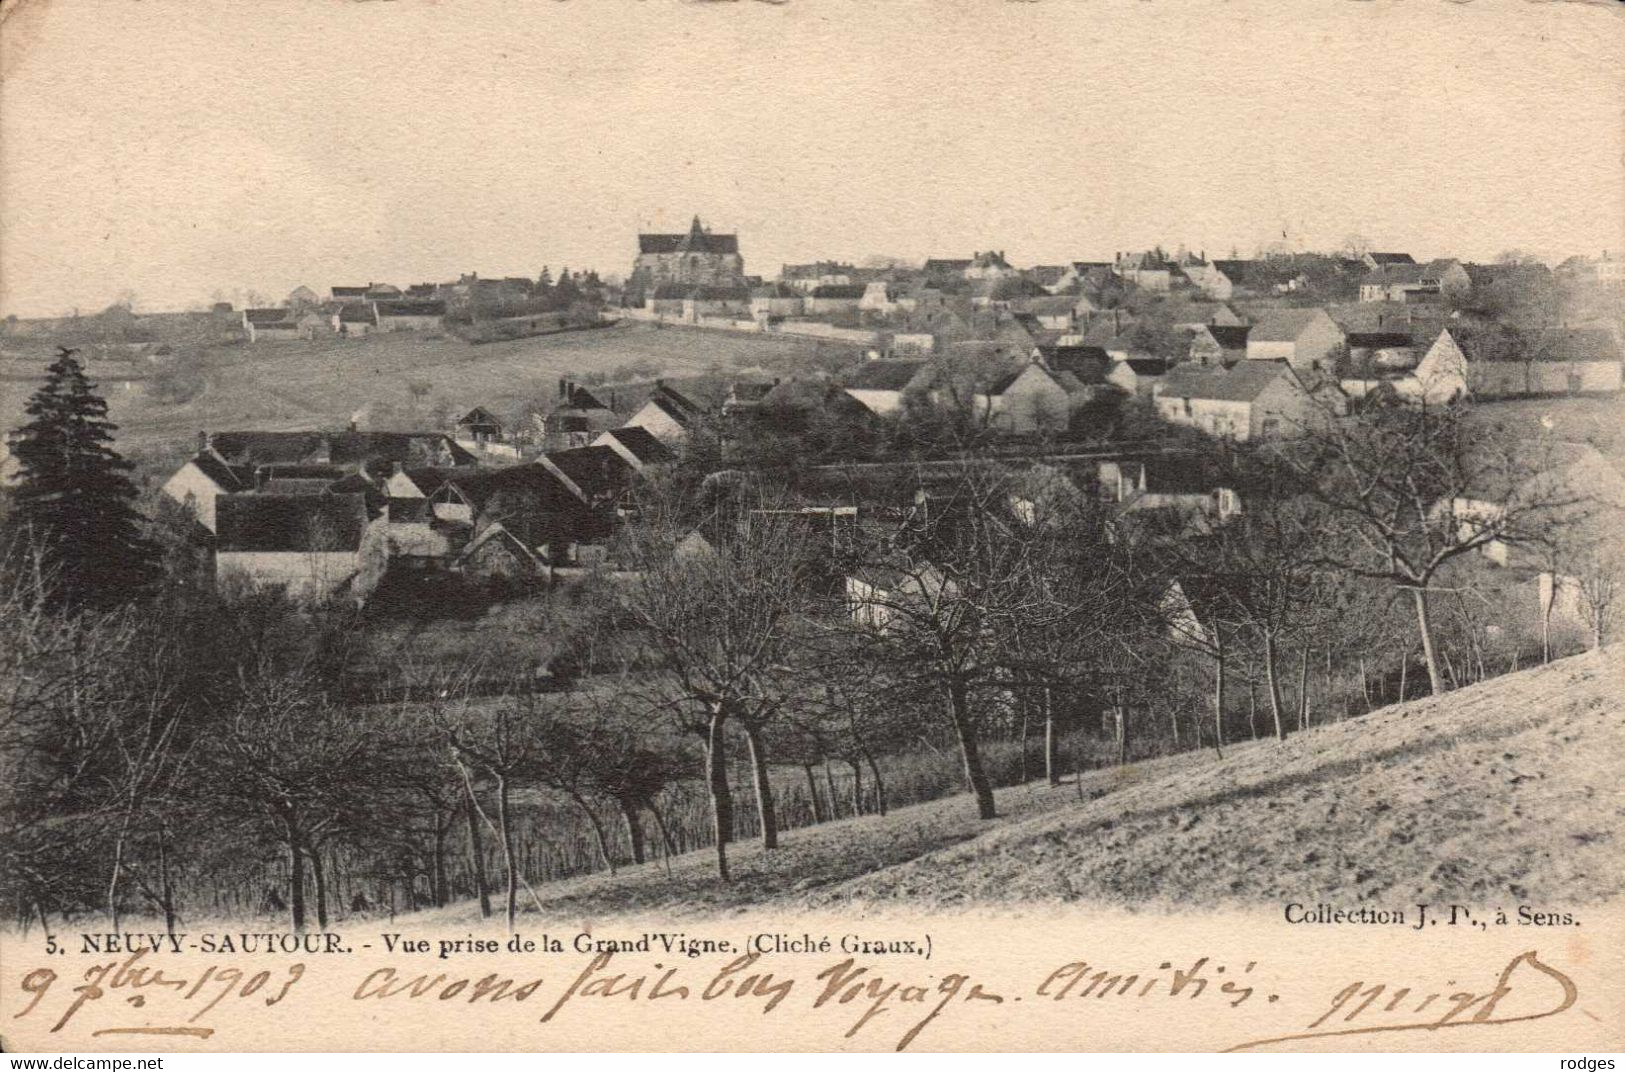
<point>73,512</point>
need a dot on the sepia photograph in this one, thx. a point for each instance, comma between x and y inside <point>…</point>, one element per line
<point>799,524</point>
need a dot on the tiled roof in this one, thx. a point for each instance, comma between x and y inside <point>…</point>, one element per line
<point>1393,275</point>
<point>643,444</point>
<point>260,448</point>
<point>1282,325</point>
<point>1244,383</point>
<point>268,523</point>
<point>597,471</point>
<point>263,317</point>
<point>411,308</point>
<point>408,448</point>
<point>548,509</point>
<point>1378,340</point>
<point>1229,336</point>
<point>697,240</point>
<point>1087,363</point>
<point>885,374</point>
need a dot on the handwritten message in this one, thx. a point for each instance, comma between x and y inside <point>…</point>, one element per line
<point>892,996</point>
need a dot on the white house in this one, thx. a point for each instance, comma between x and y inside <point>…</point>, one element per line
<point>1441,375</point>
<point>1304,338</point>
<point>308,544</point>
<point>409,315</point>
<point>264,325</point>
<point>1253,400</point>
<point>879,385</point>
<point>667,415</point>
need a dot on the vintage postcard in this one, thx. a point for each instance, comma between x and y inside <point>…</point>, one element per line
<point>812,525</point>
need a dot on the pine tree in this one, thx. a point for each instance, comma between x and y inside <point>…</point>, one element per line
<point>73,510</point>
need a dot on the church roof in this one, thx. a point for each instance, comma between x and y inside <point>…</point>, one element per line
<point>697,240</point>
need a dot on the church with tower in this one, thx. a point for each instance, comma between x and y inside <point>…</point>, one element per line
<point>696,259</point>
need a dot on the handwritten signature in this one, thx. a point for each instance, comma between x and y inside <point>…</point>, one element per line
<point>1539,990</point>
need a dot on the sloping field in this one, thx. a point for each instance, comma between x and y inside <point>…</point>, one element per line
<point>1511,787</point>
<point>321,383</point>
<point>1508,788</point>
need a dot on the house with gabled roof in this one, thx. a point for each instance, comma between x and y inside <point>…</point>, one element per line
<point>1137,375</point>
<point>355,320</point>
<point>479,425</point>
<point>496,554</point>
<point>1378,260</point>
<point>668,414</point>
<point>1396,283</point>
<point>1222,280</point>
<point>1031,399</point>
<point>307,544</point>
<point>880,384</point>
<point>989,264</point>
<point>1188,482</point>
<point>1052,313</point>
<point>265,325</point>
<point>1088,364</point>
<point>577,418</point>
<point>944,269</point>
<point>540,502</point>
<point>1305,338</point>
<point>1253,400</point>
<point>1541,361</point>
<point>832,298</point>
<point>639,447</point>
<point>1219,345</point>
<point>405,315</point>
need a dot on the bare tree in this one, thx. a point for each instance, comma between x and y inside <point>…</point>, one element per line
<point>722,622</point>
<point>294,767</point>
<point>1404,490</point>
<point>939,598</point>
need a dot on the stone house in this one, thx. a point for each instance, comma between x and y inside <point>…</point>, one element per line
<point>1253,400</point>
<point>1305,338</point>
<point>409,315</point>
<point>267,325</point>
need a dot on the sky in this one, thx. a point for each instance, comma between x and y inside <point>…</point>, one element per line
<point>173,151</point>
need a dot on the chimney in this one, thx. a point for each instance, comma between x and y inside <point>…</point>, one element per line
<point>352,424</point>
<point>395,468</point>
<point>562,385</point>
<point>203,442</point>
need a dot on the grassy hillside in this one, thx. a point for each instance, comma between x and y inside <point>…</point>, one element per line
<point>1509,788</point>
<point>321,383</point>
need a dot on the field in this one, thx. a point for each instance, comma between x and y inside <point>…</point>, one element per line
<point>1598,420</point>
<point>322,383</point>
<point>1508,788</point>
